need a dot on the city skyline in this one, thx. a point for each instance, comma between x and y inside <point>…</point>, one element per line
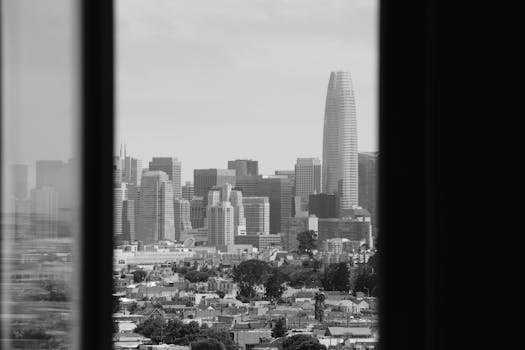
<point>257,71</point>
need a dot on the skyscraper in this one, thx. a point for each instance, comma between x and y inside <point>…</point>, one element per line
<point>205,179</point>
<point>172,167</point>
<point>220,224</point>
<point>257,214</point>
<point>340,165</point>
<point>368,183</point>
<point>155,220</point>
<point>182,217</point>
<point>187,190</point>
<point>239,219</point>
<point>244,167</point>
<point>278,189</point>
<point>307,176</point>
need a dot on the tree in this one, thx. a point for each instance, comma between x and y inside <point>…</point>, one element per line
<point>336,277</point>
<point>139,276</point>
<point>250,273</point>
<point>274,285</point>
<point>279,330</point>
<point>208,344</point>
<point>307,242</point>
<point>311,345</point>
<point>151,328</point>
<point>294,342</point>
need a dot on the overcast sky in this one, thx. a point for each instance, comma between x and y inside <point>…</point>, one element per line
<point>211,80</point>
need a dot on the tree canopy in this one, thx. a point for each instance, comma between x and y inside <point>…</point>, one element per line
<point>307,242</point>
<point>295,342</point>
<point>336,277</point>
<point>250,273</point>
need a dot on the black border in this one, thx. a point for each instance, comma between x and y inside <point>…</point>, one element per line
<point>97,152</point>
<point>411,280</point>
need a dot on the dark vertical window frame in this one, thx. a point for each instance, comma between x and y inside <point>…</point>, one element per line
<point>410,279</point>
<point>97,149</point>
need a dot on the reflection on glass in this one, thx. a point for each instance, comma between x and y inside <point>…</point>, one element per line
<point>40,174</point>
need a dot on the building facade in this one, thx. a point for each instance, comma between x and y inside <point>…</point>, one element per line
<point>257,214</point>
<point>307,176</point>
<point>322,205</point>
<point>279,190</point>
<point>182,217</point>
<point>205,179</point>
<point>187,191</point>
<point>368,183</point>
<point>244,167</point>
<point>173,168</point>
<point>155,219</point>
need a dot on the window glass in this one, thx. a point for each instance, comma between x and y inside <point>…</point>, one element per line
<point>40,171</point>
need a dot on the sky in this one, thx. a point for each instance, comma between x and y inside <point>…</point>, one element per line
<point>208,81</point>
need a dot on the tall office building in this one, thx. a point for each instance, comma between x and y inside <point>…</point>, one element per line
<point>307,176</point>
<point>128,219</point>
<point>239,219</point>
<point>44,212</point>
<point>244,167</point>
<point>249,185</point>
<point>172,167</point>
<point>220,219</point>
<point>205,179</point>
<point>19,174</point>
<point>197,212</point>
<point>132,171</point>
<point>257,214</point>
<point>119,195</point>
<point>182,217</point>
<point>368,183</point>
<point>340,165</point>
<point>187,190</point>
<point>278,189</point>
<point>322,205</point>
<point>155,220</point>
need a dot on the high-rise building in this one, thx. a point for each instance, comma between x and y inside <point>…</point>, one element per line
<point>182,217</point>
<point>197,212</point>
<point>220,218</point>
<point>322,205</point>
<point>278,189</point>
<point>187,190</point>
<point>119,195</point>
<point>173,168</point>
<point>340,165</point>
<point>128,220</point>
<point>257,214</point>
<point>368,183</point>
<point>239,219</point>
<point>249,185</point>
<point>44,212</point>
<point>205,179</point>
<point>19,176</point>
<point>353,229</point>
<point>155,220</point>
<point>307,176</point>
<point>294,226</point>
<point>244,167</point>
<point>132,171</point>
<point>300,206</point>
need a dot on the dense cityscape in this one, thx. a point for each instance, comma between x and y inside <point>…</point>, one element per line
<point>245,260</point>
<point>250,261</point>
